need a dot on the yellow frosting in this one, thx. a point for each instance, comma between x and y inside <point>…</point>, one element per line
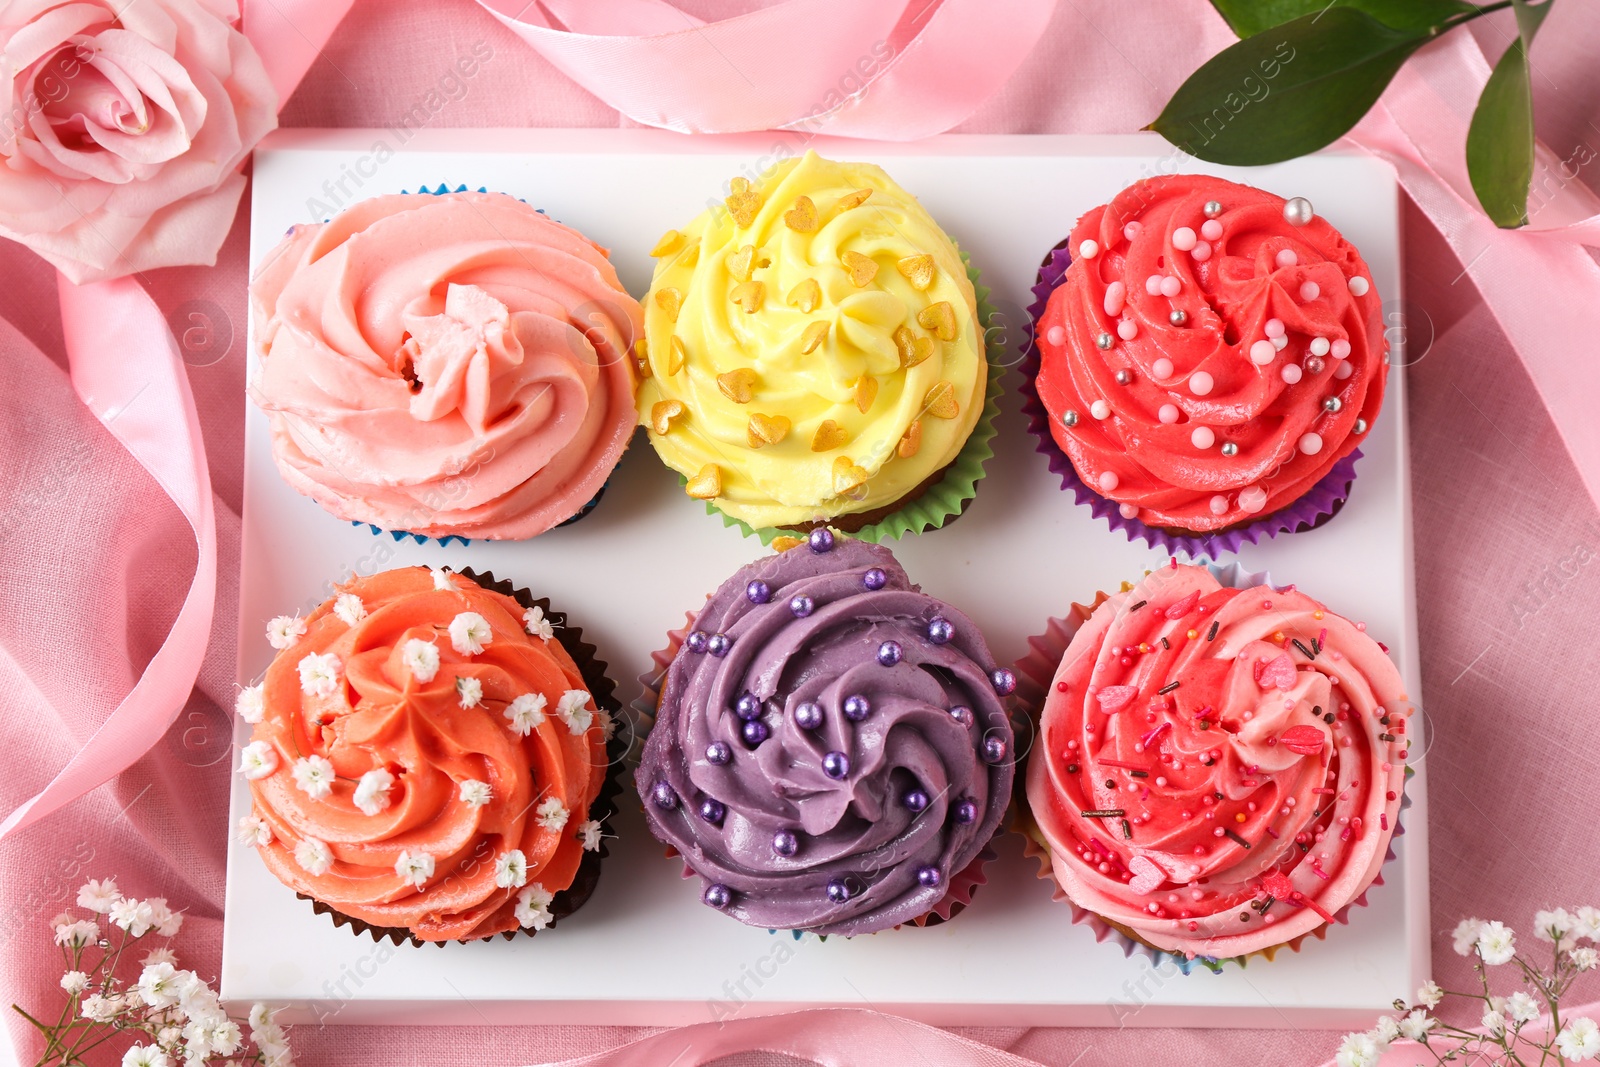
<point>810,352</point>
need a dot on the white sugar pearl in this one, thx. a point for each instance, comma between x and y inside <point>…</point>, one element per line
<point>1358,285</point>
<point>1127,329</point>
<point>1202,437</point>
<point>1171,286</point>
<point>1108,481</point>
<point>1100,409</point>
<point>1131,230</point>
<point>1219,504</point>
<point>1056,335</point>
<point>1161,368</point>
<point>1089,249</point>
<point>1116,293</point>
<point>1310,291</point>
<point>1183,238</point>
<point>1262,353</point>
<point>1202,252</point>
<point>1339,349</point>
<point>1128,511</point>
<point>1200,383</point>
<point>1211,229</point>
<point>1280,342</point>
<point>1342,371</point>
<point>1152,285</point>
<point>1291,372</point>
<point>1287,258</point>
<point>1252,499</point>
<point>1311,443</point>
<point>1320,346</point>
<point>1168,413</point>
<point>1274,328</point>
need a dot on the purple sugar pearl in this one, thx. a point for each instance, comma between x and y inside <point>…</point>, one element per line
<point>929,877</point>
<point>836,765</point>
<point>801,606</point>
<point>962,714</point>
<point>1005,683</point>
<point>754,732</point>
<point>875,579</point>
<point>890,653</point>
<point>718,644</point>
<point>785,843</point>
<point>821,540</point>
<point>749,706</point>
<point>915,800</point>
<point>696,641</point>
<point>719,753</point>
<point>663,795</point>
<point>718,895</point>
<point>966,811</point>
<point>839,891</point>
<point>940,630</point>
<point>994,749</point>
<point>808,716</point>
<point>857,707</point>
<point>758,592</point>
<point>713,811</point>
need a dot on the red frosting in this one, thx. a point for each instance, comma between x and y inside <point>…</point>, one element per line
<point>1247,273</point>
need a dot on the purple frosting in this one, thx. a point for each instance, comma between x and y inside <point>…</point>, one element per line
<point>864,840</point>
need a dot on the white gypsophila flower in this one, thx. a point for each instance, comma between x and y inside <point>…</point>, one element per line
<point>200,1037</point>
<point>319,674</point>
<point>551,813</point>
<point>1522,1008</point>
<point>275,1053</point>
<point>1497,943</point>
<point>74,982</point>
<point>254,831</point>
<point>1585,959</point>
<point>470,633</point>
<point>197,1001</point>
<point>146,1056</point>
<point>470,690</point>
<point>314,856</point>
<point>285,630</point>
<point>533,906</point>
<point>349,608</point>
<point>1357,1050</point>
<point>1579,1040</point>
<point>1430,994</point>
<point>1386,1031</point>
<point>1549,925</point>
<point>260,1018</point>
<point>160,955</point>
<point>421,659</point>
<point>1466,936</point>
<point>372,791</point>
<point>526,713</point>
<point>475,793</point>
<point>1415,1026</point>
<point>98,1008</point>
<point>441,578</point>
<point>98,896</point>
<point>168,1036</point>
<point>62,919</point>
<point>511,870</point>
<point>131,1001</point>
<point>414,867</point>
<point>573,709</point>
<point>79,934</point>
<point>257,760</point>
<point>1588,925</point>
<point>251,703</point>
<point>1494,1024</point>
<point>134,916</point>
<point>166,921</point>
<point>226,1038</point>
<point>608,723</point>
<point>589,833</point>
<point>313,776</point>
<point>536,624</point>
<point>158,985</point>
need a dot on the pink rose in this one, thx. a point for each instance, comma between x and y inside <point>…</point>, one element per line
<point>123,132</point>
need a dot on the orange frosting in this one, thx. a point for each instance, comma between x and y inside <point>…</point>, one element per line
<point>381,717</point>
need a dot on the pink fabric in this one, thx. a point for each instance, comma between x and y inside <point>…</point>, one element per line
<point>1503,580</point>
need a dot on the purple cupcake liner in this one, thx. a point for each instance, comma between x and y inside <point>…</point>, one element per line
<point>1319,504</point>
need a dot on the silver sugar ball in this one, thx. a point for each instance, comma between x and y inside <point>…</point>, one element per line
<point>1124,377</point>
<point>1105,340</point>
<point>1178,317</point>
<point>1297,211</point>
<point>1069,419</point>
<point>1360,426</point>
<point>1230,449</point>
<point>1332,404</point>
<point>1213,208</point>
<point>1314,365</point>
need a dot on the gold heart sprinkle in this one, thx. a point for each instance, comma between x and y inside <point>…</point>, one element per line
<point>743,202</point>
<point>912,349</point>
<point>738,385</point>
<point>707,485</point>
<point>941,401</point>
<point>828,437</point>
<point>847,476</point>
<point>766,430</point>
<point>677,356</point>
<point>918,269</point>
<point>866,393</point>
<point>862,269</point>
<point>670,242</point>
<point>855,199</point>
<point>813,336</point>
<point>662,414</point>
<point>690,257</point>
<point>671,301</point>
<point>750,296</point>
<point>806,296</point>
<point>940,318</point>
<point>741,262</point>
<point>802,218</point>
<point>911,441</point>
<point>784,544</point>
<point>644,369</point>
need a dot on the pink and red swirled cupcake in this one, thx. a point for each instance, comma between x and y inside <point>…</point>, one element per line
<point>1210,358</point>
<point>1219,771</point>
<point>453,364</point>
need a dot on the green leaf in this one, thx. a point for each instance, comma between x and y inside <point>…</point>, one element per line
<point>1530,18</point>
<point>1250,17</point>
<point>1288,91</point>
<point>1500,140</point>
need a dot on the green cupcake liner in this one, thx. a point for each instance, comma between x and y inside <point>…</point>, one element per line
<point>947,498</point>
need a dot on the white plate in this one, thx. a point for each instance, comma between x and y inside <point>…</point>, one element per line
<point>644,949</point>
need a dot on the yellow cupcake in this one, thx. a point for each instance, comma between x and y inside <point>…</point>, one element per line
<point>813,348</point>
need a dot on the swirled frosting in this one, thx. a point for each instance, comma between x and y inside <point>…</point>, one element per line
<point>831,744</point>
<point>420,760</point>
<point>1205,361</point>
<point>813,348</point>
<point>1219,770</point>
<point>453,364</point>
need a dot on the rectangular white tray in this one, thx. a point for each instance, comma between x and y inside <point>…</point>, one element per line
<point>644,950</point>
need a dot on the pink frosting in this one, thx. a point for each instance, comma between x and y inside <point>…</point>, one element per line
<point>454,364</point>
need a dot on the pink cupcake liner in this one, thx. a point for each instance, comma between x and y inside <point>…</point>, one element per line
<point>1319,504</point>
<point>1035,671</point>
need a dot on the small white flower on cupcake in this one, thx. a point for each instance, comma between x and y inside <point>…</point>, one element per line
<point>470,690</point>
<point>551,813</point>
<point>414,867</point>
<point>589,833</point>
<point>573,709</point>
<point>511,870</point>
<point>98,895</point>
<point>349,608</point>
<point>470,633</point>
<point>475,794</point>
<point>313,776</point>
<point>534,621</point>
<point>314,856</point>
<point>319,674</point>
<point>372,791</point>
<point>250,704</point>
<point>608,723</point>
<point>253,831</point>
<point>257,760</point>
<point>533,906</point>
<point>421,658</point>
<point>441,578</point>
<point>526,713</point>
<point>285,630</point>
